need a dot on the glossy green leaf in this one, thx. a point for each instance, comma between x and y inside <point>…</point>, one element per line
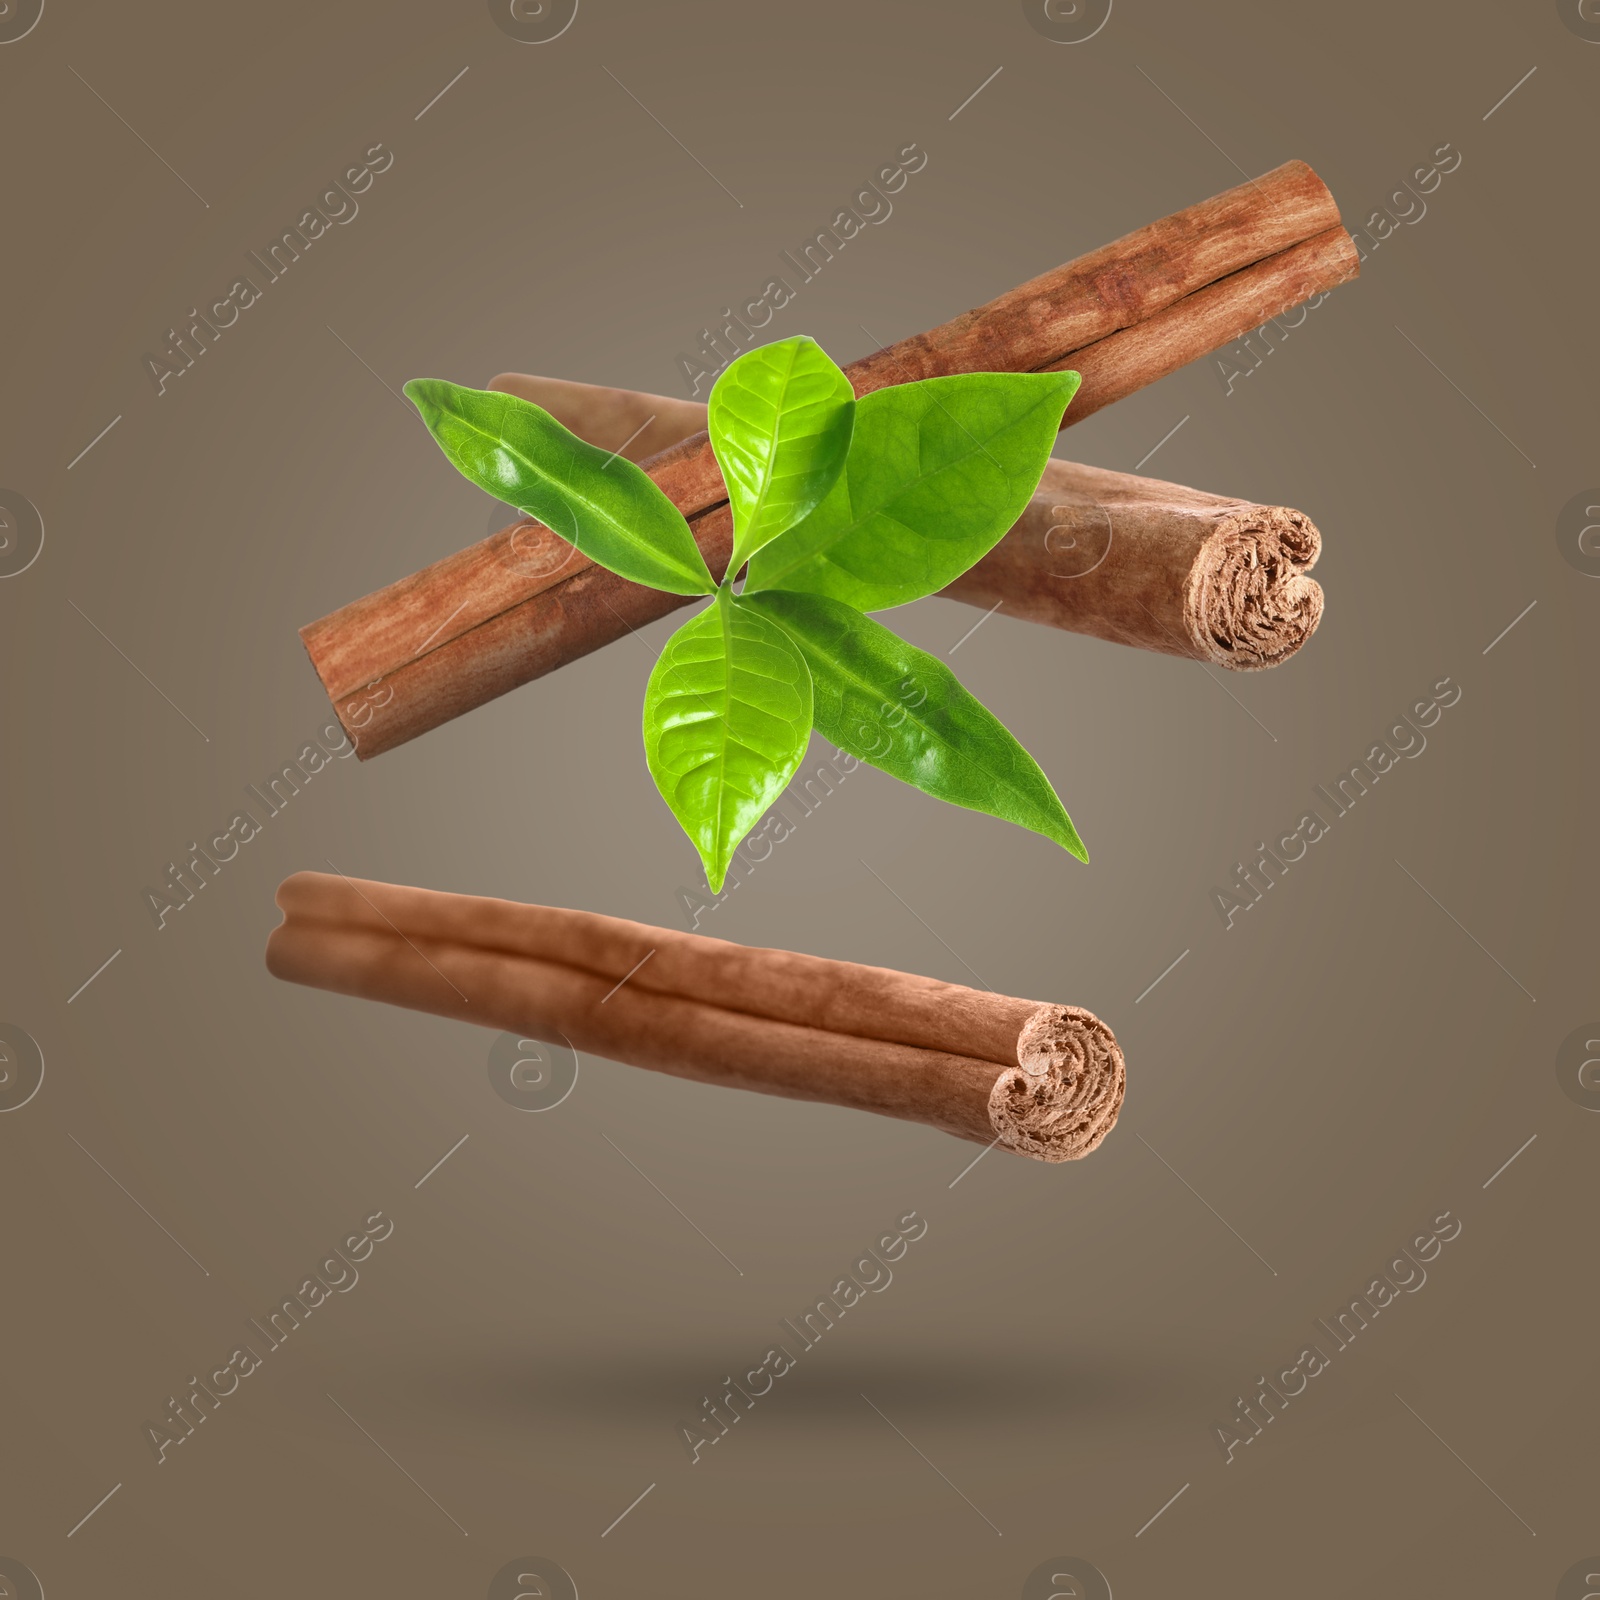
<point>601,502</point>
<point>780,420</point>
<point>727,715</point>
<point>904,711</point>
<point>937,472</point>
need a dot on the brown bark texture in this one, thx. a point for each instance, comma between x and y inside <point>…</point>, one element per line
<point>1044,1081</point>
<point>478,623</point>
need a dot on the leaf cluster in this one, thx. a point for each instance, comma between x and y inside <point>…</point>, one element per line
<point>840,507</point>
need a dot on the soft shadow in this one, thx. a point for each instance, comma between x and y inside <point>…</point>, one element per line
<point>553,1387</point>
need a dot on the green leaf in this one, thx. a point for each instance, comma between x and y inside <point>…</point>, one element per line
<point>600,502</point>
<point>904,711</point>
<point>938,471</point>
<point>780,419</point>
<point>727,716</point>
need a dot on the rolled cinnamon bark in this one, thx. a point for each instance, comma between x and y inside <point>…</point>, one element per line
<point>1133,560</point>
<point>1114,367</point>
<point>1151,271</point>
<point>479,623</point>
<point>1044,1081</point>
<point>1155,565</point>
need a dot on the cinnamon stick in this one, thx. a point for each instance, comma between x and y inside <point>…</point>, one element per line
<point>1044,1081</point>
<point>1155,565</point>
<point>1037,325</point>
<point>483,621</point>
<point>1133,560</point>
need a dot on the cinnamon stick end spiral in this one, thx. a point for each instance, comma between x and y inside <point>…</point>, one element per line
<point>1248,603</point>
<point>1062,1098</point>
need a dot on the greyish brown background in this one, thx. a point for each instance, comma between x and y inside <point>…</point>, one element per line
<point>1365,1049</point>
